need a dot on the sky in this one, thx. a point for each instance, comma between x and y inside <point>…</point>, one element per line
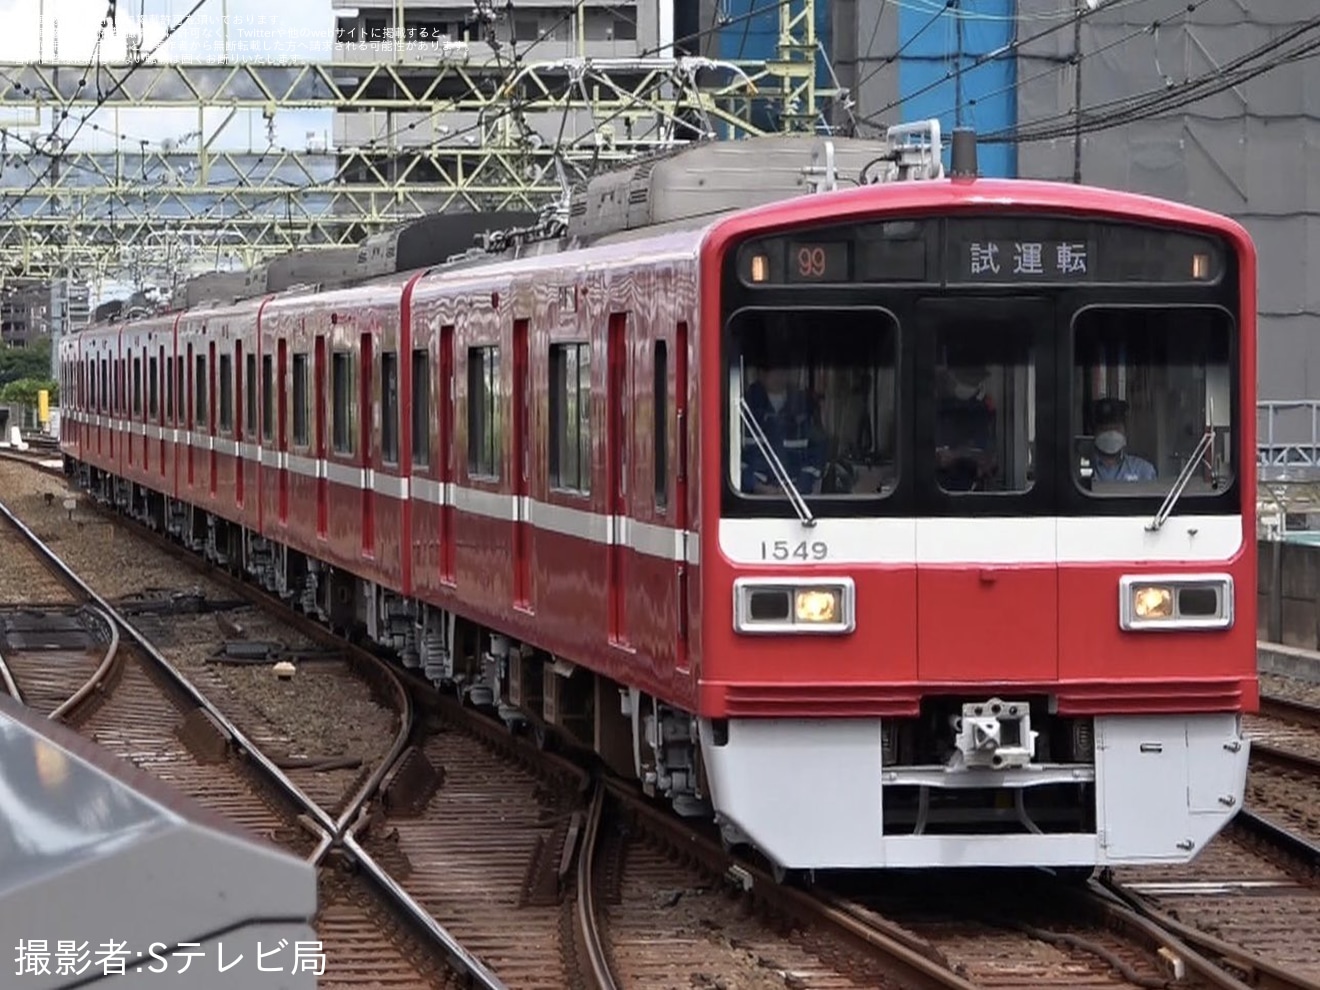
<point>289,30</point>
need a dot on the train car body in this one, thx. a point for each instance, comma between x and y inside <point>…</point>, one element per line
<point>908,525</point>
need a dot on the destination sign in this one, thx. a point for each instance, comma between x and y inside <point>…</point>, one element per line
<point>980,250</point>
<point>818,261</point>
<point>1032,261</point>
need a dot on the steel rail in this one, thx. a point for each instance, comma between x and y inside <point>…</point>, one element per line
<point>1290,710</point>
<point>1294,845</point>
<point>8,679</point>
<point>330,833</point>
<point>919,967</point>
<point>588,922</point>
<point>1283,759</point>
<point>98,676</point>
<point>245,745</point>
<point>1195,946</point>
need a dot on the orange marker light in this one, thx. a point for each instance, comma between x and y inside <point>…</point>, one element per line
<point>1200,266</point>
<point>760,268</point>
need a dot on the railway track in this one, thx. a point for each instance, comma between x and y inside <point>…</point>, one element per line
<point>138,706</point>
<point>483,831</point>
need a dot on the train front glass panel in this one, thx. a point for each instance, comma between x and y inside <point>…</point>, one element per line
<point>1003,365</point>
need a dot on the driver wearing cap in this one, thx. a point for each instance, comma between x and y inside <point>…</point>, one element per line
<point>1113,462</point>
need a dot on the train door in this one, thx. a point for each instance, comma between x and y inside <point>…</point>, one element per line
<point>522,562</point>
<point>239,412</point>
<point>282,426</point>
<point>987,571</point>
<point>445,454</point>
<point>160,376</point>
<point>618,447</point>
<point>191,420</point>
<point>322,483</point>
<point>365,411</point>
<point>211,416</point>
<point>681,486</point>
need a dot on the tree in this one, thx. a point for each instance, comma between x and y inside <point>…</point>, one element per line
<point>23,392</point>
<point>25,362</point>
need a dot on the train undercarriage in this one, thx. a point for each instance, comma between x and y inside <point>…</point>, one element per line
<point>972,781</point>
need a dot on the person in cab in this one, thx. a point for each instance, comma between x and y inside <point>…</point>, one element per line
<point>787,415</point>
<point>1112,460</point>
<point>964,429</point>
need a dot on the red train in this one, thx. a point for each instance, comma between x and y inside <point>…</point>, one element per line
<point>904,525</point>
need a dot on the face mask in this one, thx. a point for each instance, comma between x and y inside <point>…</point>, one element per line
<point>963,392</point>
<point>1110,442</point>
<point>777,400</point>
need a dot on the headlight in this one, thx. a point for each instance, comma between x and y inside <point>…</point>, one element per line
<point>773,605</point>
<point>814,605</point>
<point>1151,602</point>
<point>1177,601</point>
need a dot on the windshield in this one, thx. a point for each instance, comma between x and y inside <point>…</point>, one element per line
<point>985,406</point>
<point>1148,384</point>
<point>822,385</point>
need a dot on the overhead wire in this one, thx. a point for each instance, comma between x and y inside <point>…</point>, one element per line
<point>1077,58</point>
<point>1161,99</point>
<point>1080,15</point>
<point>102,99</point>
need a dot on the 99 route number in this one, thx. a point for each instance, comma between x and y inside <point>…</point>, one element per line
<point>785,550</point>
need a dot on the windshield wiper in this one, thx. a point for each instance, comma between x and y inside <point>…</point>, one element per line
<point>776,465</point>
<point>1184,477</point>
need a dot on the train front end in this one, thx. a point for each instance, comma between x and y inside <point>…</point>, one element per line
<point>978,566</point>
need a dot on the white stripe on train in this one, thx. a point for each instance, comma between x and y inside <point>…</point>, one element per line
<point>894,541</point>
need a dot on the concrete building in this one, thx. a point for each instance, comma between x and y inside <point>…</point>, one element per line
<point>479,42</point>
<point>1242,149</point>
<point>29,309</point>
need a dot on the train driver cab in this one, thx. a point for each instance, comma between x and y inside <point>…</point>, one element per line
<point>1152,408</point>
<point>815,391</point>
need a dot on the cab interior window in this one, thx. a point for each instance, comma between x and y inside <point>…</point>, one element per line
<point>985,408</point>
<point>1148,385</point>
<point>822,386</point>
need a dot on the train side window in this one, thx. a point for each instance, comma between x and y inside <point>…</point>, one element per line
<point>153,388</point>
<point>421,408</point>
<point>300,400</point>
<point>484,412</point>
<point>137,386</point>
<point>226,392</point>
<point>250,394</point>
<point>341,390</point>
<point>267,398</point>
<point>389,412</point>
<point>181,413</point>
<point>199,382</point>
<point>570,417</point>
<point>660,392</point>
<point>105,385</point>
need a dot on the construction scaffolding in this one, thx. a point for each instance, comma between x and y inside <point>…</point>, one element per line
<point>423,138</point>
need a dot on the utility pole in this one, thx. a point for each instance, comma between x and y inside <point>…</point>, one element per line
<point>957,68</point>
<point>59,308</point>
<point>1077,95</point>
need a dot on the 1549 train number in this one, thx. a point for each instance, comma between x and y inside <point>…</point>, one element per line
<point>788,550</point>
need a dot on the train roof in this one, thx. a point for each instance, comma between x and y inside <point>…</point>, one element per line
<point>685,188</point>
<point>672,201</point>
